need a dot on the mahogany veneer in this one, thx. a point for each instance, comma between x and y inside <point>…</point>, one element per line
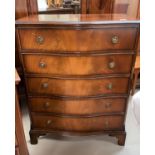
<point>80,40</point>
<point>82,124</point>
<point>78,71</point>
<point>77,87</point>
<point>65,65</point>
<point>87,106</point>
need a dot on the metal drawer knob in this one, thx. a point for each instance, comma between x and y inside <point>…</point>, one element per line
<point>114,39</point>
<point>40,40</point>
<point>48,122</point>
<point>42,65</point>
<point>110,86</point>
<point>108,105</point>
<point>45,85</point>
<point>47,105</point>
<point>111,65</point>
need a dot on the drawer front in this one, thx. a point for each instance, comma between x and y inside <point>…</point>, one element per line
<point>77,40</point>
<point>80,65</point>
<point>78,124</point>
<point>78,87</point>
<point>78,107</point>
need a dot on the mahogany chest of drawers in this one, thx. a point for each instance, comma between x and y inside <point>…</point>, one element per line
<point>78,70</point>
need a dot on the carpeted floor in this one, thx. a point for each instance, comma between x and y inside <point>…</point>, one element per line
<point>101,145</point>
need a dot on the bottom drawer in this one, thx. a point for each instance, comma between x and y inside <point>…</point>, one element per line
<point>81,124</point>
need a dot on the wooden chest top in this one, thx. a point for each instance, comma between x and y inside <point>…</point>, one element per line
<point>77,19</point>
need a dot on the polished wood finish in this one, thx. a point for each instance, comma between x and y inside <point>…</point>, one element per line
<point>85,65</point>
<point>82,124</point>
<point>21,8</point>
<point>77,21</point>
<point>137,63</point>
<point>97,6</point>
<point>32,7</point>
<point>129,7</point>
<point>84,7</point>
<point>136,74</point>
<point>77,87</point>
<point>77,107</point>
<point>20,142</point>
<point>25,8</point>
<point>70,41</point>
<point>78,71</point>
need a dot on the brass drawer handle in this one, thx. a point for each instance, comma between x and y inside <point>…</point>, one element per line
<point>42,65</point>
<point>111,65</point>
<point>114,39</point>
<point>46,105</point>
<point>110,86</point>
<point>40,40</point>
<point>106,124</point>
<point>108,105</point>
<point>48,122</point>
<point>45,85</point>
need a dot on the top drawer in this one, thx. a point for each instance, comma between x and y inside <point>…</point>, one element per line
<point>77,40</point>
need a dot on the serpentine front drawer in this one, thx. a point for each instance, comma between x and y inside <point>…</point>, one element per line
<point>77,124</point>
<point>77,87</point>
<point>78,65</point>
<point>78,106</point>
<point>50,40</point>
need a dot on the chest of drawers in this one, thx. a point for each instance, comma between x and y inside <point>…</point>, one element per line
<point>78,70</point>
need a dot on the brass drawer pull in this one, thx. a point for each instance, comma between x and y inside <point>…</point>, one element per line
<point>108,105</point>
<point>114,39</point>
<point>48,122</point>
<point>40,40</point>
<point>111,65</point>
<point>45,85</point>
<point>106,124</point>
<point>110,86</point>
<point>42,65</point>
<point>46,105</point>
